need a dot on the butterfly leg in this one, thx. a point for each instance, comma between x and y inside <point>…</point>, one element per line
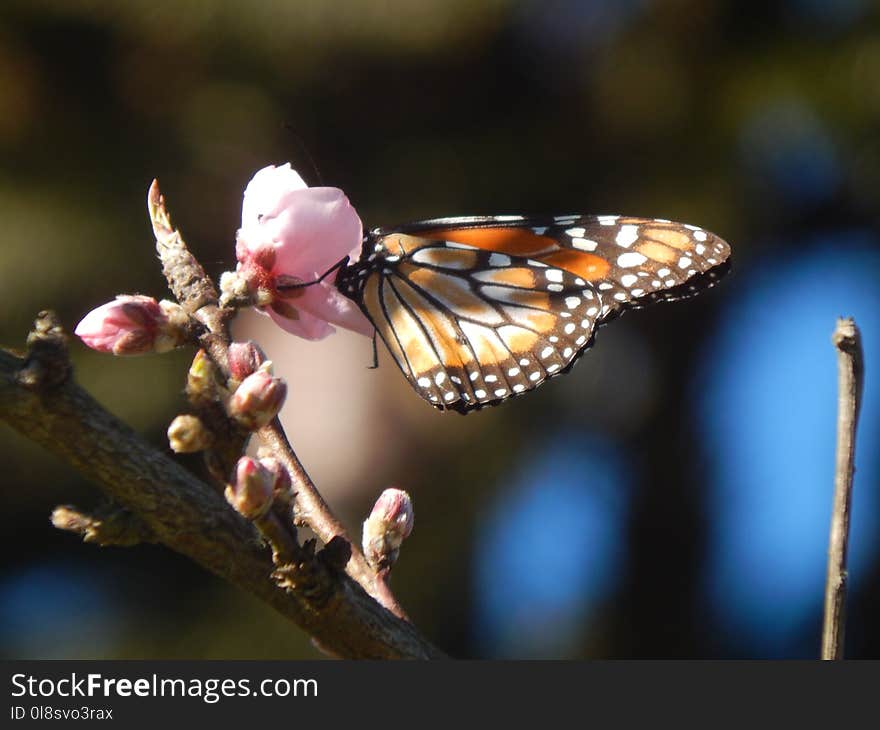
<point>375,364</point>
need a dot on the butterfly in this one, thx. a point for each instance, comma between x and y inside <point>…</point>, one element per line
<point>476,310</point>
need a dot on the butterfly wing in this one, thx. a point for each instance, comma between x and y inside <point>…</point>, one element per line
<point>476,310</point>
<point>637,261</point>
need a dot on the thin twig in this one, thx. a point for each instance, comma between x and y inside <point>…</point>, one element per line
<point>850,382</point>
<point>314,513</point>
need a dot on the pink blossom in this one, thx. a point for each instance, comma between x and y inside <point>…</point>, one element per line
<point>133,325</point>
<point>294,233</point>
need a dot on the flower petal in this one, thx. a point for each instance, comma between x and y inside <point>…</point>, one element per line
<point>305,325</point>
<point>326,302</point>
<point>265,191</point>
<point>314,229</point>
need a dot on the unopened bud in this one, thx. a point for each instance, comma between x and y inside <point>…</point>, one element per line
<point>280,476</point>
<point>187,434</point>
<point>201,379</point>
<point>134,325</point>
<point>244,358</point>
<point>388,525</point>
<point>250,491</point>
<point>258,399</point>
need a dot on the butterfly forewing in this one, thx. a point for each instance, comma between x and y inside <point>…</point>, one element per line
<point>475,310</point>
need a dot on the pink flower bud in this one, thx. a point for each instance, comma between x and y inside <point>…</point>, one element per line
<point>291,233</point>
<point>258,399</point>
<point>280,475</point>
<point>133,325</point>
<point>244,358</point>
<point>250,492</point>
<point>388,525</point>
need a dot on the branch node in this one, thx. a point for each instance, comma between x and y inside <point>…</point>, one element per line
<point>109,524</point>
<point>47,365</point>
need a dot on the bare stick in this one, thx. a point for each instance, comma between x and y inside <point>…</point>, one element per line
<point>850,381</point>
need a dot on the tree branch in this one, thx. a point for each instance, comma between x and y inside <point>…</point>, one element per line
<point>196,293</point>
<point>39,400</point>
<point>850,382</point>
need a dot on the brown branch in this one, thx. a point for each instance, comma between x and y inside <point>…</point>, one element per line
<point>184,273</point>
<point>850,382</point>
<point>187,515</point>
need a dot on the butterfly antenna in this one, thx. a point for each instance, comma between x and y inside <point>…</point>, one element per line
<point>304,150</point>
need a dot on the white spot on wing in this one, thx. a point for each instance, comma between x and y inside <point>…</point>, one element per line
<point>627,235</point>
<point>584,244</point>
<point>630,258</point>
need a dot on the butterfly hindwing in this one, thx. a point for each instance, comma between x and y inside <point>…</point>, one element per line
<point>476,310</point>
<point>470,328</point>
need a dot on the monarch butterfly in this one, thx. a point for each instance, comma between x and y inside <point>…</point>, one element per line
<point>477,310</point>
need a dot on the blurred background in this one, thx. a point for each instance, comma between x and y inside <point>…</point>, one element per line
<point>668,498</point>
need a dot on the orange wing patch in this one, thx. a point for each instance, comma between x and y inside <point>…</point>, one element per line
<point>657,252</point>
<point>522,242</point>
<point>670,237</point>
<point>585,265</point>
